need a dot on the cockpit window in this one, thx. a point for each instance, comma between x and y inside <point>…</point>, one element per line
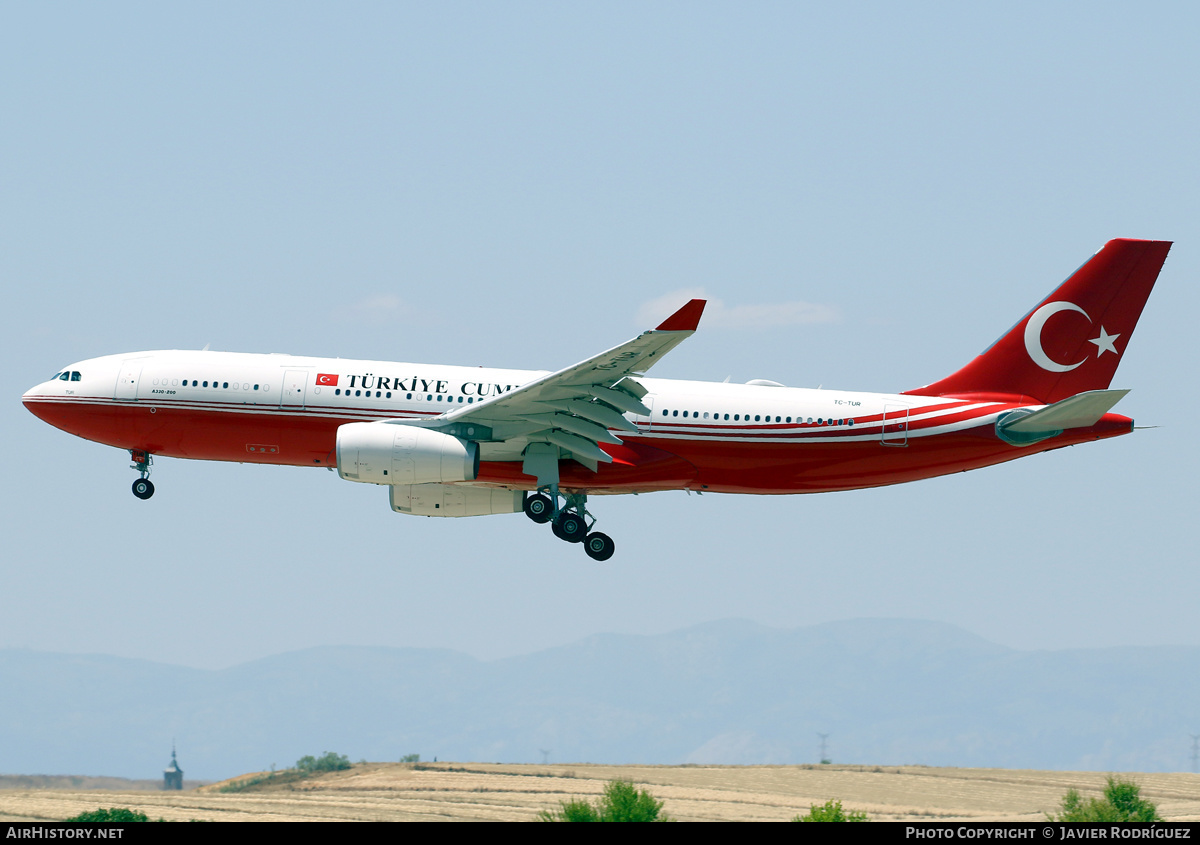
<point>76,375</point>
<point>66,374</point>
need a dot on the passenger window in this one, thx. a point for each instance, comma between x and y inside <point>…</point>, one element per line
<point>676,413</point>
<point>337,392</point>
<point>255,386</point>
<point>225,385</point>
<point>727,416</point>
<point>389,395</point>
<point>471,399</point>
<point>206,384</point>
<point>737,417</point>
<point>789,419</point>
<point>358,393</point>
<point>685,413</point>
<point>377,393</point>
<point>756,417</point>
<point>665,412</point>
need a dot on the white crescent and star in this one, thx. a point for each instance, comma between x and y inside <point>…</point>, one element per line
<point>1033,337</point>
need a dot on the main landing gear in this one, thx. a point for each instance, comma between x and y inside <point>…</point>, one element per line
<point>569,520</point>
<point>143,488</point>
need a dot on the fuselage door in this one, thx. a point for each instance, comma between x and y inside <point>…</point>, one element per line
<point>648,401</point>
<point>895,425</point>
<point>295,383</point>
<point>127,381</point>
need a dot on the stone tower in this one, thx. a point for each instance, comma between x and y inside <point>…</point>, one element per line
<point>172,774</point>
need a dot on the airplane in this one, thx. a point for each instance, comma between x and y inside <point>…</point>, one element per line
<point>454,441</point>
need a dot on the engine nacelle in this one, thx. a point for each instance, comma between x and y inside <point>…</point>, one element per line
<point>383,453</point>
<point>453,500</point>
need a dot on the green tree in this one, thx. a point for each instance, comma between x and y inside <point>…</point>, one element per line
<point>621,802</point>
<point>112,814</point>
<point>1122,802</point>
<point>328,762</point>
<point>830,811</point>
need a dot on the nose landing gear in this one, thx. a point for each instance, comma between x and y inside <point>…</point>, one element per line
<point>569,520</point>
<point>143,488</point>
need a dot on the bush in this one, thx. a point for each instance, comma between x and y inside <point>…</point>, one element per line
<point>830,811</point>
<point>1122,802</point>
<point>621,802</point>
<point>411,758</point>
<point>113,814</point>
<point>328,762</point>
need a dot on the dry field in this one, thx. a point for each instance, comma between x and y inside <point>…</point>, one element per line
<point>477,791</point>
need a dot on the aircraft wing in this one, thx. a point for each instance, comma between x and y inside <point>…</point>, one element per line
<point>574,408</point>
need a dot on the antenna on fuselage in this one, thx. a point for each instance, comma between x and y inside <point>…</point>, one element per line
<point>205,349</point>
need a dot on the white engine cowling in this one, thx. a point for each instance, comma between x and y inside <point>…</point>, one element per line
<point>383,453</point>
<point>453,500</point>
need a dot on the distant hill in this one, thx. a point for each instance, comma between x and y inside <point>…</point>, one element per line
<point>76,783</point>
<point>886,692</point>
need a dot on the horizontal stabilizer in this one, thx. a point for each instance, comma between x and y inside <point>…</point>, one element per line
<point>1080,411</point>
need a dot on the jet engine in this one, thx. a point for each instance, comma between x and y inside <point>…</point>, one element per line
<point>384,453</point>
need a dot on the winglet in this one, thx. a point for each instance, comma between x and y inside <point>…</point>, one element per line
<point>685,319</point>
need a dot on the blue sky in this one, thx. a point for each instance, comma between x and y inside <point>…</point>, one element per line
<point>873,192</point>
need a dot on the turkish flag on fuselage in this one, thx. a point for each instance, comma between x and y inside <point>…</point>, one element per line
<point>327,380</point>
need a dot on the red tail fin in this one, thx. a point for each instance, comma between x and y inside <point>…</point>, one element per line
<point>1076,336</point>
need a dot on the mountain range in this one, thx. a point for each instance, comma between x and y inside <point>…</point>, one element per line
<point>886,691</point>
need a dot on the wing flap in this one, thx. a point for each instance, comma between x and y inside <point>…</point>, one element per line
<point>577,445</point>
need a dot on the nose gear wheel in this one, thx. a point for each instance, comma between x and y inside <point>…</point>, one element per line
<point>143,488</point>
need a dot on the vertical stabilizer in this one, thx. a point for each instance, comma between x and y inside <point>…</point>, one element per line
<point>1074,339</point>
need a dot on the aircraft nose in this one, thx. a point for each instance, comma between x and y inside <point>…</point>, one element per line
<point>33,399</point>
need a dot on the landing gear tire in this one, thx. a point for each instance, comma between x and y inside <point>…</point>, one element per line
<point>143,488</point>
<point>569,526</point>
<point>539,508</point>
<point>599,546</point>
